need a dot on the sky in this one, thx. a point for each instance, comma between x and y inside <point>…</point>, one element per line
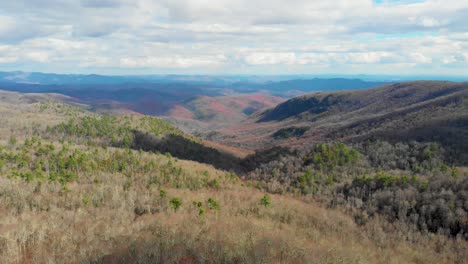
<point>425,37</point>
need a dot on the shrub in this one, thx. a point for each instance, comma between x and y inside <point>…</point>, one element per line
<point>199,206</point>
<point>175,203</point>
<point>214,184</point>
<point>266,200</point>
<point>213,205</point>
<point>85,201</point>
<point>361,218</point>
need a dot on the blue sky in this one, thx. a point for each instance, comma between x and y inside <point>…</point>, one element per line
<point>235,36</point>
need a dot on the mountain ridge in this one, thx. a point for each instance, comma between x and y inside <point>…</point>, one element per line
<point>358,114</point>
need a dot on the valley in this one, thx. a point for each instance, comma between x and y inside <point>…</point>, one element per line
<point>233,131</point>
<point>362,176</point>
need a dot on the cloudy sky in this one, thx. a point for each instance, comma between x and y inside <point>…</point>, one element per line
<point>235,36</point>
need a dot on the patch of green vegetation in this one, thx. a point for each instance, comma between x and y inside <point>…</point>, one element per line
<point>61,108</point>
<point>330,156</point>
<point>213,204</point>
<point>141,133</point>
<point>175,203</point>
<point>113,130</point>
<point>38,160</point>
<point>265,200</point>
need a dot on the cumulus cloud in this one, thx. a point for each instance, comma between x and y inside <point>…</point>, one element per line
<point>236,35</point>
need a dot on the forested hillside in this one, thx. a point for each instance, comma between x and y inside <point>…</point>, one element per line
<point>135,189</point>
<point>424,111</point>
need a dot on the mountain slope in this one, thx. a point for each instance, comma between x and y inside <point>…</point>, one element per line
<point>94,189</point>
<point>379,100</point>
<point>205,113</point>
<point>399,111</point>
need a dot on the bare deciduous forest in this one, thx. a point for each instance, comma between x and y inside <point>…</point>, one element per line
<point>94,188</point>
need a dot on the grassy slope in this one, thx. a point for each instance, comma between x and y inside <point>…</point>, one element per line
<point>121,217</point>
<point>21,114</point>
<point>46,225</point>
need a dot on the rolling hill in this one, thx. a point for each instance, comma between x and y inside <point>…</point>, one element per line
<point>204,113</point>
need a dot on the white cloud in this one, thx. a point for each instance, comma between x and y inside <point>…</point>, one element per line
<point>369,57</point>
<point>289,58</point>
<point>420,58</point>
<point>172,62</point>
<point>103,3</point>
<point>269,58</point>
<point>448,60</point>
<point>13,30</point>
<point>59,45</point>
<point>8,59</point>
<point>226,29</point>
<point>87,62</point>
<point>37,56</point>
<point>6,24</point>
<point>250,35</point>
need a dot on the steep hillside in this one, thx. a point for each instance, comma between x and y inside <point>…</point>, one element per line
<point>423,111</point>
<point>373,101</point>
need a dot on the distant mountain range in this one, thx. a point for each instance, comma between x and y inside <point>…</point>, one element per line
<point>170,95</point>
<point>294,87</point>
<point>302,82</point>
<point>40,78</point>
<point>223,80</point>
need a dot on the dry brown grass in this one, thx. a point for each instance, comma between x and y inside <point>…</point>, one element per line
<point>44,224</point>
<point>21,114</point>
